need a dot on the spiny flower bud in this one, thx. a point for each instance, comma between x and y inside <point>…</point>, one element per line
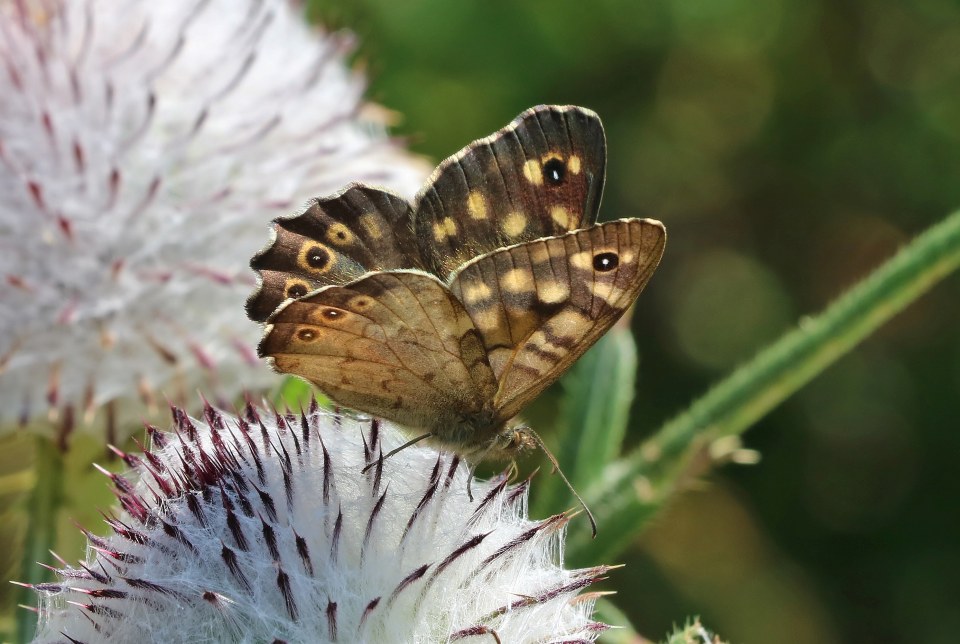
<point>263,528</point>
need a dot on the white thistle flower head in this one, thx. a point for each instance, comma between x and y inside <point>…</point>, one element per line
<point>263,528</point>
<point>144,147</point>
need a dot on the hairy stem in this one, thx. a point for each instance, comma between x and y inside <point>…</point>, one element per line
<point>44,503</point>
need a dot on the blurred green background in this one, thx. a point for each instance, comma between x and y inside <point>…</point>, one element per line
<point>789,146</point>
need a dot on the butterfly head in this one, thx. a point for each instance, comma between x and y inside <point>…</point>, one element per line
<point>510,442</point>
<point>481,435</point>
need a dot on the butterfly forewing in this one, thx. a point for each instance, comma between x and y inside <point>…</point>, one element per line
<point>396,344</point>
<point>540,305</point>
<point>541,175</point>
<point>333,241</point>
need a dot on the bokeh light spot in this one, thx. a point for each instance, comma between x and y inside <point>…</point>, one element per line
<point>725,306</point>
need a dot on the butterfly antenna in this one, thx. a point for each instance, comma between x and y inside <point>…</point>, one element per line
<point>556,466</point>
<point>473,468</point>
<point>395,450</point>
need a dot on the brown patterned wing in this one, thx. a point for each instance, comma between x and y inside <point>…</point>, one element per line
<point>333,241</point>
<point>540,305</point>
<point>394,344</point>
<point>542,175</point>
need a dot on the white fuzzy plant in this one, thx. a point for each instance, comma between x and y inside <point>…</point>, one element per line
<point>144,148</point>
<point>263,528</point>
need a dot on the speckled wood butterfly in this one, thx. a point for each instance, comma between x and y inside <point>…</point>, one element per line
<point>452,314</point>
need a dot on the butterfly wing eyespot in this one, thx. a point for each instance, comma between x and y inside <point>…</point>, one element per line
<point>339,234</point>
<point>554,171</point>
<point>315,258</point>
<point>541,175</point>
<point>296,288</point>
<point>360,303</point>
<point>605,261</point>
<point>334,240</point>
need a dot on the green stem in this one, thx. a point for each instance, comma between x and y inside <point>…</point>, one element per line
<point>636,486</point>
<point>43,506</point>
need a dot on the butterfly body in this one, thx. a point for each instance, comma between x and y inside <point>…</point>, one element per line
<point>465,306</point>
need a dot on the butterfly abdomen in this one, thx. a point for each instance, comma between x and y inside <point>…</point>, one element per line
<point>481,435</point>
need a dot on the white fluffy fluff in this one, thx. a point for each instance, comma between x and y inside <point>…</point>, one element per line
<point>255,530</point>
<point>144,148</point>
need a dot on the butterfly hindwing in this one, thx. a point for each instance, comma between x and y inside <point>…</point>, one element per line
<point>541,175</point>
<point>538,306</point>
<point>395,344</point>
<point>333,241</point>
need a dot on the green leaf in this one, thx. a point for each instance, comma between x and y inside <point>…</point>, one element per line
<point>634,488</point>
<point>297,393</point>
<point>594,411</point>
<point>623,631</point>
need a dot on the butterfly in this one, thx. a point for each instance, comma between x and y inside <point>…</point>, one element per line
<point>451,314</point>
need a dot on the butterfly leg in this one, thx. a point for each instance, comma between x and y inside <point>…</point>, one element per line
<point>410,442</point>
<point>473,467</point>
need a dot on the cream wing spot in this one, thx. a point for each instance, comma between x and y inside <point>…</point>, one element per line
<point>573,164</point>
<point>569,323</point>
<point>444,228</point>
<point>533,172</point>
<point>608,293</point>
<point>517,280</point>
<point>538,339</point>
<point>477,205</point>
<point>561,216</point>
<point>582,260</point>
<point>553,292</point>
<point>371,225</point>
<point>514,224</point>
<point>474,293</point>
<point>486,319</point>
